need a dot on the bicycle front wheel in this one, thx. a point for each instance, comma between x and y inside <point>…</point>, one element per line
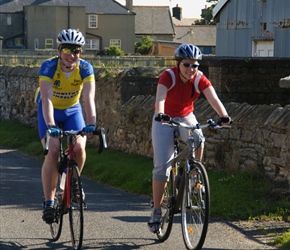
<point>195,207</point>
<point>56,226</point>
<point>167,211</point>
<point>76,210</point>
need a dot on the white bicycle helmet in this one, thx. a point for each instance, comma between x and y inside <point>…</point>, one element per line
<point>71,36</point>
<point>187,51</point>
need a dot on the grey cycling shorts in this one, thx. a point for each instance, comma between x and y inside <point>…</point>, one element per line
<point>163,144</point>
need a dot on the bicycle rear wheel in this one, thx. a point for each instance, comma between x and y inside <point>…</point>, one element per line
<point>76,210</point>
<point>195,207</point>
<point>167,211</point>
<point>56,226</point>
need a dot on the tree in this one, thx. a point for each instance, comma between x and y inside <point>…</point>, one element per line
<point>114,51</point>
<point>207,14</point>
<point>143,47</point>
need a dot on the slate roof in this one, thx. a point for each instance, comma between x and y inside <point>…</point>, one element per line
<point>184,21</point>
<point>153,20</point>
<point>92,6</point>
<point>203,35</point>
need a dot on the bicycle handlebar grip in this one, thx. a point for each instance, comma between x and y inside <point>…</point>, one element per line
<point>45,151</point>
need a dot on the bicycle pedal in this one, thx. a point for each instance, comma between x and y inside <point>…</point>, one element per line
<point>85,205</point>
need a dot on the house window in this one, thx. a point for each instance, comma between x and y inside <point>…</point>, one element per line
<point>49,43</point>
<point>19,42</point>
<point>9,20</point>
<point>92,44</point>
<point>93,21</point>
<point>115,43</point>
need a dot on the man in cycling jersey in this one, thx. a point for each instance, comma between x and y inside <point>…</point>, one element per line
<point>62,80</point>
<point>177,90</point>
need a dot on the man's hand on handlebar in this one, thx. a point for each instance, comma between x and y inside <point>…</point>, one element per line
<point>88,130</point>
<point>54,131</point>
<point>163,118</point>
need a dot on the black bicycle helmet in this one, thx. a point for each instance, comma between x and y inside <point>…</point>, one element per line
<point>187,51</point>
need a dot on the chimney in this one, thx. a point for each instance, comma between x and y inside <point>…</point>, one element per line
<point>177,12</point>
<point>129,5</point>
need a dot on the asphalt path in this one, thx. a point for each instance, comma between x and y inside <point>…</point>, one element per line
<point>114,219</point>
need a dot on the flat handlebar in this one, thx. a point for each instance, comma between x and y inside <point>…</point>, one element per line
<point>210,123</point>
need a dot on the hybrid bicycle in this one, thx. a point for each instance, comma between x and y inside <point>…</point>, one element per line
<point>188,190</point>
<point>69,196</point>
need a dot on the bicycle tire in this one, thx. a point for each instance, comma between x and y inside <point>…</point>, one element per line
<point>76,217</point>
<point>56,226</point>
<point>167,208</point>
<point>195,213</point>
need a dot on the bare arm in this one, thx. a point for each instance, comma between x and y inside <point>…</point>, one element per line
<point>47,106</point>
<point>89,99</point>
<point>214,101</point>
<point>160,98</point>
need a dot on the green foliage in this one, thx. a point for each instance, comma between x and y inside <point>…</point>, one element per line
<point>115,51</point>
<point>231,197</point>
<point>283,241</point>
<point>129,172</point>
<point>206,16</point>
<point>19,136</point>
<point>144,46</point>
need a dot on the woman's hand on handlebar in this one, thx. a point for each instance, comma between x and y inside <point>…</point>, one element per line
<point>225,120</point>
<point>163,118</point>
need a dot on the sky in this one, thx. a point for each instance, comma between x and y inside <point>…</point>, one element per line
<point>190,8</point>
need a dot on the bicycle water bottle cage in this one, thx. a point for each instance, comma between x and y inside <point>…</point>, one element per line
<point>176,133</point>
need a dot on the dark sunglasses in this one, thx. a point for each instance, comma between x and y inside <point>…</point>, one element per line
<point>69,51</point>
<point>187,65</point>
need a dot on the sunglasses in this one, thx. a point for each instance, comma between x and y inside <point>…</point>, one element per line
<point>68,51</point>
<point>187,65</point>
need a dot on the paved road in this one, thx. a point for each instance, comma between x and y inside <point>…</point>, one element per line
<point>114,219</point>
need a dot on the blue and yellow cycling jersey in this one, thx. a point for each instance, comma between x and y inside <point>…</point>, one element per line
<point>66,91</point>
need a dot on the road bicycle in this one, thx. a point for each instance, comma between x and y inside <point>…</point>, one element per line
<point>187,191</point>
<point>69,197</point>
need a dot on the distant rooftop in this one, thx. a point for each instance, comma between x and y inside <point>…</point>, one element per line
<point>153,20</point>
<point>92,6</point>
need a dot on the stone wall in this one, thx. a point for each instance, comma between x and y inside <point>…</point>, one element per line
<point>259,139</point>
<point>251,80</point>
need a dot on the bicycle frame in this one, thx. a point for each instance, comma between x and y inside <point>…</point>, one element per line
<point>186,154</point>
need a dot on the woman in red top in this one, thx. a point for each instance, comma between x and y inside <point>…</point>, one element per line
<point>177,90</point>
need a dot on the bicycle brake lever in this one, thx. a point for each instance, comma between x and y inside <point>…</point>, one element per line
<point>104,137</point>
<point>47,137</point>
